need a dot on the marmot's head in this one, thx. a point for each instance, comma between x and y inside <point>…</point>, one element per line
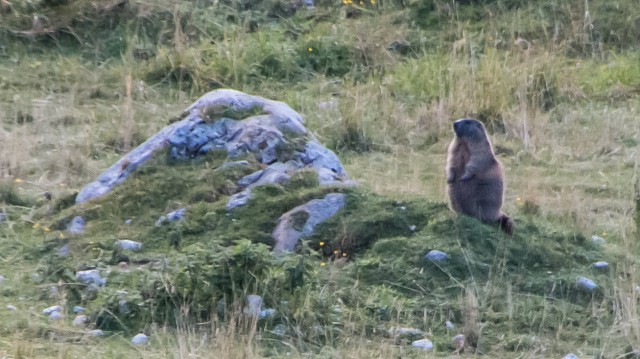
<point>470,130</point>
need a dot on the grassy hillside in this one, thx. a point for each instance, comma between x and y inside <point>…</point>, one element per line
<point>379,82</point>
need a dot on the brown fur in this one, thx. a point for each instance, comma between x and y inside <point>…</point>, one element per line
<point>474,176</point>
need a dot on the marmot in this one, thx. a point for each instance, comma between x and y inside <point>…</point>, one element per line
<point>474,176</point>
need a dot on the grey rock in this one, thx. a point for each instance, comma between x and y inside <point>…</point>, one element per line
<point>51,309</point>
<point>458,341</point>
<point>78,309</point>
<point>597,239</point>
<point>128,222</point>
<point>238,199</point>
<point>424,344</point>
<point>2,279</point>
<point>90,276</point>
<point>412,228</point>
<point>586,283</point>
<point>600,265</point>
<point>449,325</point>
<point>172,216</point>
<point>129,245</point>
<point>63,251</point>
<point>192,135</point>
<point>235,164</point>
<point>140,339</point>
<point>436,256</point>
<point>266,313</point>
<point>11,307</point>
<point>76,226</point>
<point>300,222</point>
<point>55,315</point>
<point>253,305</point>
<point>280,330</point>
<point>80,320</point>
<point>570,356</point>
<point>4,217</point>
<point>405,332</point>
<point>319,157</point>
<point>95,333</point>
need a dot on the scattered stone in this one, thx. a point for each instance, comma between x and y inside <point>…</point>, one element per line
<point>597,239</point>
<point>123,307</point>
<point>412,228</point>
<point>78,309</point>
<point>586,283</point>
<point>2,279</point>
<point>95,333</point>
<point>128,245</point>
<point>449,325</point>
<point>404,332</point>
<point>4,217</point>
<point>171,216</point>
<point>53,292</point>
<point>436,256</point>
<point>76,226</point>
<point>265,313</point>
<point>280,330</point>
<point>121,293</point>
<point>63,251</point>
<point>600,265</point>
<point>35,277</point>
<point>300,222</point>
<point>11,307</point>
<point>140,339</point>
<point>90,276</point>
<point>80,320</point>
<point>128,222</point>
<point>458,341</point>
<point>253,305</point>
<point>55,315</point>
<point>235,164</point>
<point>123,266</point>
<point>570,356</point>
<point>53,308</point>
<point>424,344</point>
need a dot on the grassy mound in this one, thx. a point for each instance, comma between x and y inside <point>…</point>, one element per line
<point>362,272</point>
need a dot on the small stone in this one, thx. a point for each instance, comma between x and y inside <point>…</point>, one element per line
<point>11,307</point>
<point>123,266</point>
<point>35,277</point>
<point>176,215</point>
<point>161,220</point>
<point>55,315</point>
<point>597,239</point>
<point>449,325</point>
<point>424,344</point>
<point>76,226</point>
<point>128,222</point>
<point>140,339</point>
<point>90,276</point>
<point>129,245</point>
<point>458,341</point>
<point>570,356</point>
<point>280,330</point>
<point>401,331</point>
<point>3,217</point>
<point>121,293</point>
<point>403,208</point>
<point>586,283</point>
<point>51,309</point>
<point>412,228</point>
<point>600,265</point>
<point>265,313</point>
<point>95,333</point>
<point>63,251</point>
<point>253,304</point>
<point>436,256</point>
<point>2,279</point>
<point>80,320</point>
<point>78,309</point>
<point>123,307</point>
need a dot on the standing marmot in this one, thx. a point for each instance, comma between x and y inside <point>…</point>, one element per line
<point>474,175</point>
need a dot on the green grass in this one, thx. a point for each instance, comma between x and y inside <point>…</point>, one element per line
<point>379,84</point>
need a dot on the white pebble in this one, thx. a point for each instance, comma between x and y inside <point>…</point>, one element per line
<point>570,356</point>
<point>129,245</point>
<point>601,265</point>
<point>586,283</point>
<point>95,333</point>
<point>140,339</point>
<point>401,331</point>
<point>78,309</point>
<point>424,344</point>
<point>265,313</point>
<point>412,228</point>
<point>11,307</point>
<point>449,325</point>
<point>55,315</point>
<point>436,256</point>
<point>90,276</point>
<point>597,240</point>
<point>51,309</point>
<point>79,320</point>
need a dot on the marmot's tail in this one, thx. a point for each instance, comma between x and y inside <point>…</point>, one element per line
<point>506,224</point>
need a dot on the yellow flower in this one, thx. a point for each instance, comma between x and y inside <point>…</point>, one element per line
<point>18,180</point>
<point>310,49</point>
<point>321,244</point>
<point>373,2</point>
<point>36,225</point>
<point>322,264</point>
<point>344,254</point>
<point>61,235</point>
<point>361,2</point>
<point>61,184</point>
<point>46,229</point>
